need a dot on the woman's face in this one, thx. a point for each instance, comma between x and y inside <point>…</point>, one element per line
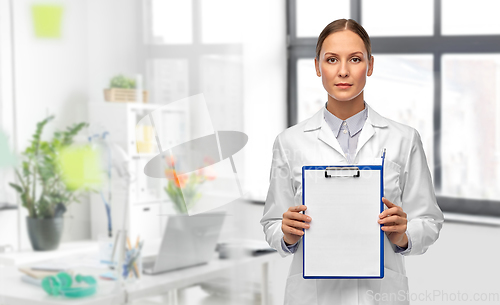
<point>344,59</point>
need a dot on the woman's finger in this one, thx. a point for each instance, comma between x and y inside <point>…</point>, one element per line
<point>296,224</point>
<point>393,211</point>
<point>291,230</point>
<point>397,229</point>
<point>393,219</point>
<point>297,208</point>
<point>296,216</point>
<point>388,203</point>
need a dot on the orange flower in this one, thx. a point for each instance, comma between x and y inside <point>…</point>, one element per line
<point>180,181</point>
<point>170,174</point>
<point>170,161</point>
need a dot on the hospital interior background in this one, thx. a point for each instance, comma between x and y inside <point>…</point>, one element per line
<point>437,69</point>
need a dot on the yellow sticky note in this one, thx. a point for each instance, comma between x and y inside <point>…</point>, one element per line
<point>80,166</point>
<point>47,20</point>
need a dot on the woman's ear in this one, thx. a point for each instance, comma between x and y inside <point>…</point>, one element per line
<point>370,67</point>
<point>316,64</point>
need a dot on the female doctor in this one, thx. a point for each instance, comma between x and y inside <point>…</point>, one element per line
<point>348,131</point>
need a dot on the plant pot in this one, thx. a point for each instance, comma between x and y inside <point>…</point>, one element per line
<point>45,234</point>
<point>123,95</point>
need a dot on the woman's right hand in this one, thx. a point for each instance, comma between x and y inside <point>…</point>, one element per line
<point>293,223</point>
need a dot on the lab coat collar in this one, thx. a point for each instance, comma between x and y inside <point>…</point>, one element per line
<point>316,121</point>
<point>326,135</point>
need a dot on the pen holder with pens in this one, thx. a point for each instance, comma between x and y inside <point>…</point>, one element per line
<point>132,265</point>
<point>132,258</point>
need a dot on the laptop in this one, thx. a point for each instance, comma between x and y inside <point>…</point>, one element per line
<point>187,241</point>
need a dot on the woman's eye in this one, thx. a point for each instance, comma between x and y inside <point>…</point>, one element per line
<point>331,59</point>
<point>359,59</point>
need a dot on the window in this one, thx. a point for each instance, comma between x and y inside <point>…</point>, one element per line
<point>410,101</point>
<point>398,18</point>
<point>471,127</point>
<point>324,12</point>
<point>461,18</point>
<point>311,95</point>
<point>221,28</point>
<point>232,51</point>
<point>447,73</point>
<point>172,22</point>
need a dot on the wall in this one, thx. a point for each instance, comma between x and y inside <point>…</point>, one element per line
<point>8,219</point>
<point>112,43</point>
<point>265,75</point>
<point>51,79</point>
<point>60,76</point>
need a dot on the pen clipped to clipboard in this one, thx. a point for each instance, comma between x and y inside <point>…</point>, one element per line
<point>345,239</point>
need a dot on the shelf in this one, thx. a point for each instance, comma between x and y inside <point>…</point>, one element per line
<point>140,156</point>
<point>158,201</point>
<point>144,197</point>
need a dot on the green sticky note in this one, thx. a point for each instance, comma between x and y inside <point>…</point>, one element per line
<point>81,166</point>
<point>6,156</point>
<point>47,20</point>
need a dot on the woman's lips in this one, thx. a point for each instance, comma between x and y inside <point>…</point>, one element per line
<point>343,86</point>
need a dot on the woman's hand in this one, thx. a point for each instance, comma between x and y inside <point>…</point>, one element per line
<point>394,223</point>
<point>293,223</point>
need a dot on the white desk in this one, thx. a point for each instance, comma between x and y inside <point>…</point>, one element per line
<point>25,257</point>
<point>15,292</point>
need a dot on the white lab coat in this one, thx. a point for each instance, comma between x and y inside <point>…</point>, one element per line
<point>407,183</point>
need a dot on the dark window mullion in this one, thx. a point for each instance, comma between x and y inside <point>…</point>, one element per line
<point>291,25</point>
<point>437,120</point>
<point>437,100</point>
<point>292,99</point>
<point>291,30</point>
<point>356,10</point>
<point>431,44</point>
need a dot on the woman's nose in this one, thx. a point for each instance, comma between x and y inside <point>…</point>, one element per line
<point>343,71</point>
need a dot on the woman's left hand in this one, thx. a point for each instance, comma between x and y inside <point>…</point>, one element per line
<point>394,223</point>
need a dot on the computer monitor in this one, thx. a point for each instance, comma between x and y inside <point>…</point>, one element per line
<point>187,241</point>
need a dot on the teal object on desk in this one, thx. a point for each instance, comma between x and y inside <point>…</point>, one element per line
<point>60,284</point>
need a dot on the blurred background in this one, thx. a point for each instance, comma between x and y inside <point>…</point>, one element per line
<point>437,69</point>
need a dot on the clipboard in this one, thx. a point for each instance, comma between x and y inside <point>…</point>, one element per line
<point>344,241</point>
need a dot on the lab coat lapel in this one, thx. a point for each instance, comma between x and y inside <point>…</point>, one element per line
<point>318,124</point>
<point>366,134</point>
<point>326,135</point>
<point>366,140</point>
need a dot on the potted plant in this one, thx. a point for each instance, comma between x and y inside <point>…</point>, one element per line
<point>183,190</point>
<point>42,188</point>
<point>122,89</point>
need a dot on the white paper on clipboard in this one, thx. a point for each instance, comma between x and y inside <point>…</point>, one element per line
<point>344,239</point>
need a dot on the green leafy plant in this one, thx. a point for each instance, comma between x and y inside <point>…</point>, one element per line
<point>123,82</point>
<point>41,186</point>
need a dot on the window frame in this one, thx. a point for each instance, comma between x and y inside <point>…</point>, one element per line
<point>192,52</point>
<point>437,45</point>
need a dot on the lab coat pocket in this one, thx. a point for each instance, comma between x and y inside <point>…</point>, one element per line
<point>394,288</point>
<point>300,291</point>
<point>392,189</point>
